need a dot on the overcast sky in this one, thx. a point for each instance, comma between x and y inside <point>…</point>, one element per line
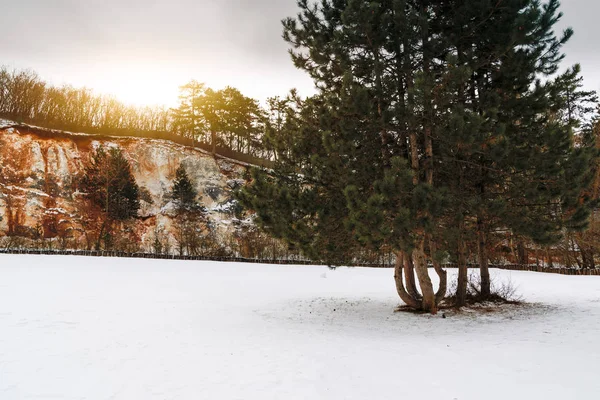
<point>142,50</point>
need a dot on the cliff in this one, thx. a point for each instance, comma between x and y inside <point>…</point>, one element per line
<point>40,168</point>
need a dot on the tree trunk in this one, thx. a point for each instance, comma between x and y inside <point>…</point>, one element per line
<point>414,157</point>
<point>428,156</point>
<point>522,253</point>
<point>574,250</point>
<point>549,257</point>
<point>100,235</point>
<point>463,277</point>
<point>213,140</point>
<point>441,293</point>
<point>428,303</point>
<point>404,296</point>
<point>409,276</point>
<point>587,257</point>
<point>483,260</point>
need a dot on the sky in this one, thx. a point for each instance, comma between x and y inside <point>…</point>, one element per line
<point>143,50</point>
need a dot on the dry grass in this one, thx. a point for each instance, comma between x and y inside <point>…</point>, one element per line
<point>502,292</point>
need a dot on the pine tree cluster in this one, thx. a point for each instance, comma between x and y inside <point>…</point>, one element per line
<point>437,123</point>
<point>109,182</point>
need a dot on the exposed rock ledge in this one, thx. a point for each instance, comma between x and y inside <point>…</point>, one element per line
<point>39,170</point>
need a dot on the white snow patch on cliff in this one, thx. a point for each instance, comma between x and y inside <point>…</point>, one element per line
<point>5,123</point>
<point>57,162</point>
<point>105,144</point>
<point>169,209</point>
<point>30,192</point>
<point>38,166</point>
<point>227,207</point>
<point>235,183</point>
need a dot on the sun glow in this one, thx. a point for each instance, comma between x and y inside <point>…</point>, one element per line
<point>149,82</point>
<point>139,85</point>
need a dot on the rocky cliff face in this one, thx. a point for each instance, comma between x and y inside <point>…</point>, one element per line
<point>39,170</point>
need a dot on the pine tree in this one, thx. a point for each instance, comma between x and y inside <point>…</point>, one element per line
<point>231,118</point>
<point>588,241</point>
<point>189,214</point>
<point>432,129</point>
<point>575,108</point>
<point>187,119</point>
<point>515,152</point>
<point>109,183</point>
<point>374,63</point>
<point>287,201</point>
<point>279,120</point>
<point>572,105</point>
<point>183,191</point>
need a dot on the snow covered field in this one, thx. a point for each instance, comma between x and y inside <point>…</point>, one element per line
<point>91,328</point>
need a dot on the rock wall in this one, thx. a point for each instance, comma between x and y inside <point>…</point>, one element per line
<point>39,173</point>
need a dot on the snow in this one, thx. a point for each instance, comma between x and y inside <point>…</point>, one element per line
<point>30,192</point>
<point>169,209</point>
<point>5,123</point>
<point>57,162</point>
<point>38,165</point>
<point>235,183</point>
<point>92,328</point>
<point>226,207</point>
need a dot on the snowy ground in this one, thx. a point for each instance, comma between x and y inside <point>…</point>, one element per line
<point>91,328</point>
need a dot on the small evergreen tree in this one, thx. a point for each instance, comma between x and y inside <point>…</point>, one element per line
<point>110,185</point>
<point>183,191</point>
<point>189,214</point>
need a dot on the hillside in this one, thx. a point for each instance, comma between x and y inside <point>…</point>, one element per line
<point>40,169</point>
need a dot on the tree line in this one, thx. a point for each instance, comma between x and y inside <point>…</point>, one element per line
<point>443,130</point>
<point>213,119</point>
<point>25,96</point>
